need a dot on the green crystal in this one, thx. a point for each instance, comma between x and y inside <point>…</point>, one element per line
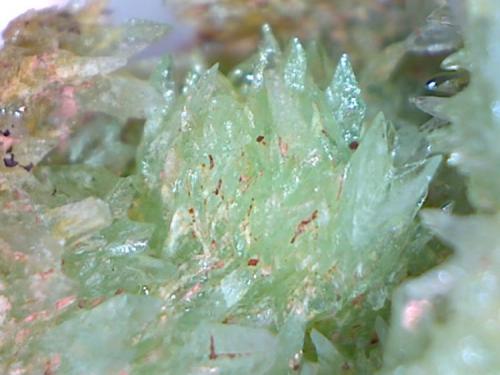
<point>259,226</point>
<point>231,165</point>
<point>75,220</point>
<point>345,102</point>
<point>101,340</point>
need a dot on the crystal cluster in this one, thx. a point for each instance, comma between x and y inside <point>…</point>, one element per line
<point>258,223</point>
<point>281,211</point>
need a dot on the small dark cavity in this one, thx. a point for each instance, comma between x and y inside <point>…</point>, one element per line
<point>354,145</point>
<point>10,162</point>
<point>374,340</point>
<point>6,133</point>
<point>260,139</point>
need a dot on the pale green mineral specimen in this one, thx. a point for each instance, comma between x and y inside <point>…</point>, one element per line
<point>276,219</point>
<point>259,227</point>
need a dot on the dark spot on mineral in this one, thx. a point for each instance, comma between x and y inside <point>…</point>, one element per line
<point>217,188</point>
<point>354,145</point>
<point>193,217</point>
<point>260,139</point>
<point>10,162</point>
<point>252,262</point>
<point>212,162</point>
<point>27,167</point>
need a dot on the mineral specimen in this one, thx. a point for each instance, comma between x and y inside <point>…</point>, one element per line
<point>258,223</point>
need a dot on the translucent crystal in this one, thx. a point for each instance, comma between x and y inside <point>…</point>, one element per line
<point>329,359</point>
<point>269,51</point>
<point>162,79</point>
<point>74,220</point>
<point>346,104</point>
<point>296,66</point>
<point>108,328</point>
